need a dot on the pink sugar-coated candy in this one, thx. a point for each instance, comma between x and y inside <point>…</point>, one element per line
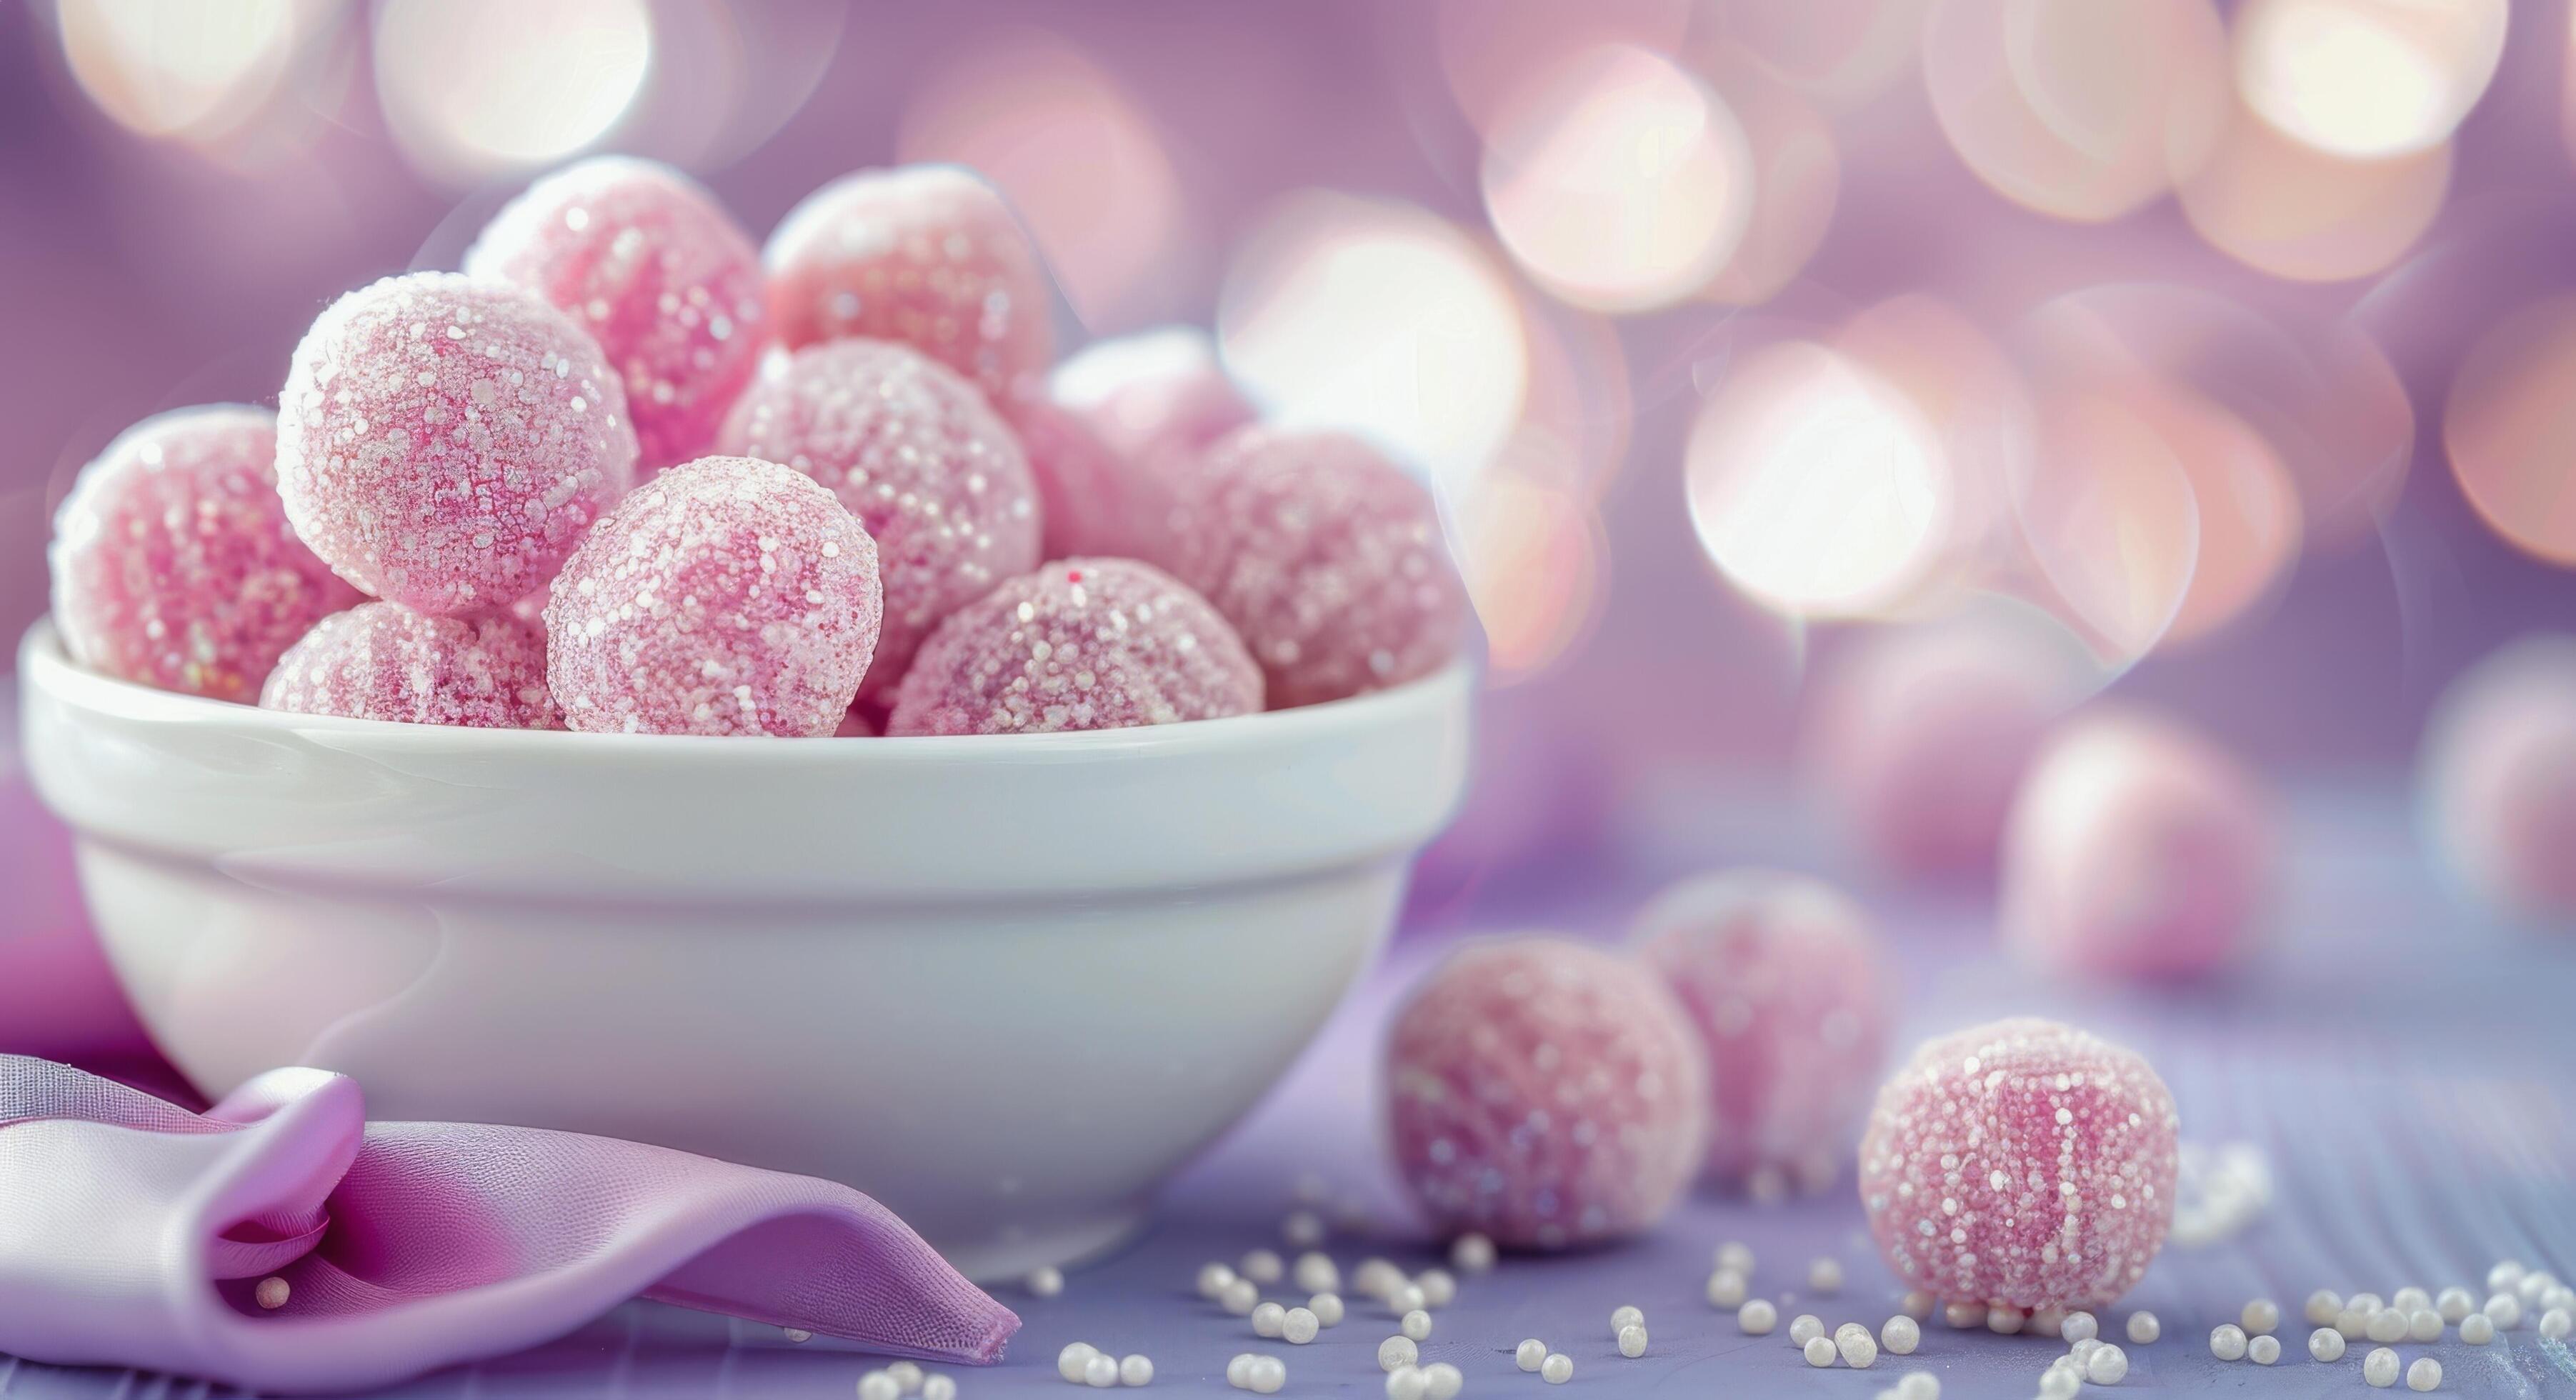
<point>2498,780</point>
<point>384,661</point>
<point>1078,644</point>
<point>172,561</point>
<point>1093,500</point>
<point>928,255</point>
<point>1159,397</point>
<point>2021,1164</point>
<point>918,456</point>
<point>1326,557</point>
<point>443,442</point>
<point>658,273</point>
<point>2138,849</point>
<point>1545,1093</point>
<point>1920,736</point>
<point>1790,989</point>
<point>855,724</point>
<point>726,596</point>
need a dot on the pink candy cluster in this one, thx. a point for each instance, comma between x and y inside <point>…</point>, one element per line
<point>514,462</point>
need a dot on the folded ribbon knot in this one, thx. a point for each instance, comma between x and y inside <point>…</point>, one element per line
<point>133,1233</point>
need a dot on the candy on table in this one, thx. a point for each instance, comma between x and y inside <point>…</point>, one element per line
<point>2017,1130</point>
<point>1788,985</point>
<point>172,561</point>
<point>2498,781</point>
<point>383,661</point>
<point>727,596</point>
<point>1326,557</point>
<point>444,442</point>
<point>928,255</point>
<point>657,272</point>
<point>1506,1028</point>
<point>918,456</point>
<point>2138,849</point>
<point>1080,644</point>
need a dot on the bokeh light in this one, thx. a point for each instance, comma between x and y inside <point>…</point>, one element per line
<point>1797,177</point>
<point>187,68</point>
<point>1578,411</point>
<point>2367,79</point>
<point>1380,318</point>
<point>1619,182</point>
<point>2246,508</point>
<point>1533,559</point>
<point>2510,429</point>
<point>1076,155</point>
<point>2291,210</point>
<point>1844,52</point>
<point>472,87</point>
<point>1491,50</point>
<point>1815,485</point>
<point>2083,111</point>
<point>2109,518</point>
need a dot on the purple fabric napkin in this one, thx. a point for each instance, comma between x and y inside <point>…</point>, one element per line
<point>134,1233</point>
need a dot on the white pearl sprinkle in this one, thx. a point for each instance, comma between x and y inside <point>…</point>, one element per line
<point>1316,1273</point>
<point>1407,1298</point>
<point>272,1292</point>
<point>1918,1385</point>
<point>1757,1317</point>
<point>1726,1289</point>
<point>2353,1322</point>
<point>1632,1341</point>
<point>2454,1304</point>
<point>1442,1381</point>
<point>2477,1329</point>
<point>1397,1351</point>
<point>2260,1316</point>
<point>2505,1311</point>
<point>1262,1266</point>
<point>1918,1305</point>
<point>2144,1327</point>
<point>2386,1325</point>
<point>1046,1281</point>
<point>2380,1367</point>
<point>2556,1323</point>
<point>1901,1335</point>
<point>1239,1297</point>
<point>1213,1278</point>
<point>1529,1354</point>
<point>1327,1308</point>
<point>1557,1369</point>
<point>1267,1319</point>
<point>907,1377</point>
<point>877,1385</point>
<point>1626,1315</point>
<point>2076,1326</point>
<point>1963,1314</point>
<point>2046,1322</point>
<point>938,1387</point>
<point>1136,1369</point>
<point>1439,1287</point>
<point>2004,1322</point>
<point>1302,1228</point>
<point>1100,1372</point>
<point>1472,1254</point>
<point>1407,1383</point>
<point>1299,1326</point>
<point>2263,1350</point>
<point>2227,1342</point>
<point>2424,1325</point>
<point>1238,1370</point>
<point>2083,1351</point>
<point>2060,1380</point>
<point>2425,1374</point>
<point>1820,1351</point>
<point>2106,1366</point>
<point>1416,1324</point>
<point>2322,1307</point>
<point>1805,1328</point>
<point>2409,1298</point>
<point>798,1335</point>
<point>1825,1275</point>
<point>1269,1373</point>
<point>1736,1255</point>
<point>2326,1344</point>
<point>2506,1274</point>
<point>2535,1286</point>
<point>1859,1349</point>
<point>1074,1359</point>
<point>2367,1303</point>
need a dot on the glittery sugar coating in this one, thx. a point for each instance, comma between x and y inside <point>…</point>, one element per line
<point>1328,559</point>
<point>919,457</point>
<point>1130,419</point>
<point>384,661</point>
<point>928,255</point>
<point>1093,500</point>
<point>1079,644</point>
<point>1545,1094</point>
<point>442,442</point>
<point>726,596</point>
<point>172,561</point>
<point>658,273</point>
<point>2137,849</point>
<point>1791,990</point>
<point>2021,1164</point>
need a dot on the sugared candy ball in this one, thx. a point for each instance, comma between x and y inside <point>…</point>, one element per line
<point>1544,1094</point>
<point>657,272</point>
<point>1094,500</point>
<point>1920,735</point>
<point>2137,849</point>
<point>1326,557</point>
<point>1159,397</point>
<point>929,255</point>
<point>443,442</point>
<point>384,661</point>
<point>726,596</point>
<point>2498,779</point>
<point>173,564</point>
<point>2021,1164</point>
<point>1079,644</point>
<point>916,454</point>
<point>1789,987</point>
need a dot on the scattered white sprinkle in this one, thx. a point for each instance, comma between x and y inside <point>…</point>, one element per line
<point>938,1387</point>
<point>1405,1298</point>
<point>2477,1329</point>
<point>2504,1310</point>
<point>2380,1367</point>
<point>2506,1274</point>
<point>1238,1370</point>
<point>907,1377</point>
<point>2263,1350</point>
<point>2453,1304</point>
<point>2145,1327</point>
<point>272,1292</point>
<point>1825,1275</point>
<point>1269,1373</point>
<point>2386,1325</point>
<point>1268,1319</point>
<point>877,1385</point>
<point>1726,1289</point>
<point>1299,1326</point>
<point>1918,1305</point>
<point>2326,1344</point>
<point>2556,1323</point>
<point>1262,1266</point>
<point>1303,1228</point>
<point>1736,1255</point>
<point>1407,1383</point>
<point>2324,1304</point>
<point>1472,1254</point>
<point>2425,1374</point>
<point>1442,1381</point>
<point>2106,1366</point>
<point>1805,1328</point>
<point>1918,1385</point>
<point>1626,1315</point>
<point>1136,1369</point>
<point>1632,1341</point>
<point>1316,1273</point>
<point>1071,1362</point>
<point>798,1335</point>
<point>1901,1335</point>
<point>1757,1317</point>
<point>1213,1278</point>
<point>1397,1351</point>
<point>1557,1369</point>
<point>1101,1371</point>
<point>1046,1281</point>
<point>1859,1349</point>
<point>2263,1315</point>
<point>2060,1380</point>
<point>1239,1297</point>
<point>2005,1321</point>
<point>1439,1287</point>
<point>2227,1342</point>
<point>2424,1325</point>
<point>1416,1324</point>
<point>1529,1354</point>
<point>2076,1326</point>
<point>1327,1308</point>
<point>1819,1351</point>
<point>1963,1314</point>
<point>1375,1278</point>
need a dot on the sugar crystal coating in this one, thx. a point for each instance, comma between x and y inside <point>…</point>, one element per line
<point>1078,644</point>
<point>1144,411</point>
<point>2021,1164</point>
<point>726,596</point>
<point>928,255</point>
<point>1095,500</point>
<point>1545,1094</point>
<point>2498,779</point>
<point>918,456</point>
<point>657,272</point>
<point>384,661</point>
<point>1326,557</point>
<point>1791,990</point>
<point>172,561</point>
<point>443,442</point>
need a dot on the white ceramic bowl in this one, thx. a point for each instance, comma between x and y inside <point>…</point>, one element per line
<point>1003,984</point>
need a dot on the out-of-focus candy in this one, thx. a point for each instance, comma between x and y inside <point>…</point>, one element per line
<point>384,661</point>
<point>2498,779</point>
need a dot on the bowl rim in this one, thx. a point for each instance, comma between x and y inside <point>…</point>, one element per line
<point>44,666</point>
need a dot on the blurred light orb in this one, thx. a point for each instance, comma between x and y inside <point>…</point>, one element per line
<point>1579,409</point>
<point>1490,50</point>
<point>1381,319</point>
<point>1532,555</point>
<point>471,87</point>
<point>2138,850</point>
<point>2498,779</point>
<point>192,68</point>
<point>1619,182</point>
<point>1815,485</point>
<point>2367,79</point>
<point>1842,51</point>
<point>2510,429</point>
<point>1078,158</point>
<point>2286,208</point>
<point>1797,179</point>
<point>2085,110</point>
<point>2246,507</point>
<point>2108,515</point>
